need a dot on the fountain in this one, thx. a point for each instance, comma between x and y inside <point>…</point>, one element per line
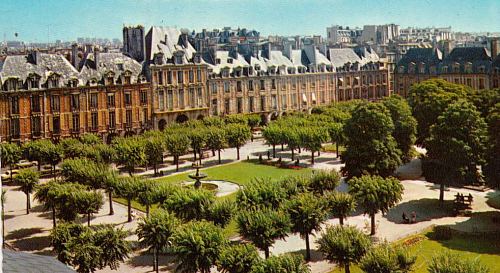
<point>197,176</point>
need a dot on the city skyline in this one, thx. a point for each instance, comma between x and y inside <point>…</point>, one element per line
<point>59,20</point>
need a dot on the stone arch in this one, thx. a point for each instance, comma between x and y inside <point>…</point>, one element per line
<point>162,124</point>
<point>181,118</point>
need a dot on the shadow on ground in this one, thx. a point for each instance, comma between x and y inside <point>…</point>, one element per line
<point>484,221</point>
<point>426,209</point>
<point>493,199</point>
<point>38,243</point>
<point>145,259</point>
<point>481,243</point>
<point>22,233</point>
<point>316,256</point>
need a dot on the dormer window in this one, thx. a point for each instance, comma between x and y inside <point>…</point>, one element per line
<point>158,59</point>
<point>230,60</point>
<point>110,79</point>
<point>178,59</point>
<point>53,82</point>
<point>225,72</point>
<point>73,83</point>
<point>197,59</point>
<point>444,69</point>
<point>257,67</point>
<point>34,83</point>
<point>93,82</point>
<point>481,69</point>
<point>217,61</point>
<point>10,85</point>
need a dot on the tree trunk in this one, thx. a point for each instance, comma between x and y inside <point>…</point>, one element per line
<point>155,167</point>
<point>28,203</point>
<point>54,217</point>
<point>213,152</point>
<point>88,219</point>
<point>347,268</point>
<point>274,150</point>
<point>372,216</point>
<point>201,155</point>
<point>155,266</point>
<point>10,167</point>
<point>266,252</point>
<point>157,262</point>
<point>312,157</point>
<point>194,154</point>
<point>3,225</point>
<point>218,152</point>
<point>129,208</point>
<point>308,249</point>
<point>282,148</point>
<point>300,151</point>
<point>147,210</point>
<point>337,149</point>
<point>39,165</point>
<point>176,158</point>
<point>441,193</point>
<point>341,220</point>
<point>110,196</point>
<point>238,152</point>
<point>293,155</point>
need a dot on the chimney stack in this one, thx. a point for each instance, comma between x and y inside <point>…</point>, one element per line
<point>96,57</point>
<point>74,55</point>
<point>494,48</point>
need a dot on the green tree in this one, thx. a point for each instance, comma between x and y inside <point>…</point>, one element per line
<point>285,263</point>
<point>90,139</point>
<point>60,237</point>
<point>449,262</point>
<point>405,125</point>
<point>238,258</point>
<point>237,135</point>
<point>429,99</point>
<point>197,246</point>
<point>177,145</point>
<point>336,132</point>
<point>253,121</point>
<point>370,147</point>
<point>198,139</point>
<point>27,179</point>
<point>307,214</point>
<point>261,193</point>
<point>147,194</point>
<point>115,248</point>
<point>46,195</point>
<point>457,143</point>
<point>491,169</point>
<point>35,150</point>
<point>292,139</point>
<point>484,100</point>
<point>72,148</point>
<point>263,227</point>
<point>312,138</point>
<point>344,245</point>
<point>273,134</point>
<point>11,154</point>
<point>156,231</point>
<point>154,149</point>
<point>130,152</point>
<point>89,202</point>
<point>374,194</point>
<point>216,140</point>
<point>128,188</point>
<point>322,181</point>
<point>221,212</point>
<point>340,205</point>
<point>190,204</point>
<point>385,258</point>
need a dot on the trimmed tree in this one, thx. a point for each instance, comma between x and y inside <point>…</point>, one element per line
<point>89,202</point>
<point>449,262</point>
<point>27,179</point>
<point>263,227</point>
<point>11,154</point>
<point>238,258</point>
<point>374,194</point>
<point>491,169</point>
<point>190,204</point>
<point>344,245</point>
<point>154,149</point>
<point>312,138</point>
<point>156,231</point>
<point>197,246</point>
<point>322,181</point>
<point>130,152</point>
<point>237,135</point>
<point>289,263</point>
<point>128,188</point>
<point>221,212</point>
<point>340,205</point>
<point>307,214</point>
<point>273,135</point>
<point>216,140</point>
<point>386,258</point>
<point>177,145</point>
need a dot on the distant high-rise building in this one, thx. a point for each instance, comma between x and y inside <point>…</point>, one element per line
<point>133,42</point>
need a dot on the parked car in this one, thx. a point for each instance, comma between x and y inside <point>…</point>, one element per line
<point>6,175</point>
<point>26,164</point>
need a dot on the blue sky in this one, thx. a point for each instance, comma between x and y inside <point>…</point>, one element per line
<point>36,20</point>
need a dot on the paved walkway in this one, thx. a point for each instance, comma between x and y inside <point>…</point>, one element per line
<point>30,232</point>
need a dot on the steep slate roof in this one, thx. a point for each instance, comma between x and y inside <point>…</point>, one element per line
<point>21,66</point>
<point>117,63</point>
<point>315,57</point>
<point>155,41</point>
<point>340,56</point>
<point>418,55</point>
<point>277,59</point>
<point>367,54</point>
<point>468,54</point>
<point>21,262</point>
<point>224,56</point>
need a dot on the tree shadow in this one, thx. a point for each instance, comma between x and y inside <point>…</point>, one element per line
<point>493,199</point>
<point>481,243</point>
<point>426,209</point>
<point>46,252</point>
<point>145,259</point>
<point>480,222</point>
<point>316,256</point>
<point>37,243</point>
<point>22,233</point>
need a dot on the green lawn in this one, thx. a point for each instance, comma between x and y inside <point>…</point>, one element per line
<point>486,248</point>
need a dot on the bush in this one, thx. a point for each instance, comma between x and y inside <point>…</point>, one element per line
<point>449,262</point>
<point>442,233</point>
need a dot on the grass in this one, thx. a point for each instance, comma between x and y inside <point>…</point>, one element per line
<point>486,248</point>
<point>494,200</point>
<point>330,148</point>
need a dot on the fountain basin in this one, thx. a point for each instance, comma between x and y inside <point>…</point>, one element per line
<point>223,187</point>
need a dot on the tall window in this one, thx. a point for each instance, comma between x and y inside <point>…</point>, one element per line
<point>170,99</point>
<point>111,100</point>
<point>273,84</point>
<point>144,98</point>
<point>75,102</point>
<point>262,84</point>
<point>128,99</point>
<point>14,105</point>
<point>128,118</point>
<point>181,98</point>
<point>198,75</point>
<point>250,85</point>
<point>238,86</point>
<point>251,104</point>
<point>76,123</point>
<point>283,102</point>
<point>55,103</point>
<point>274,102</point>
<point>93,100</point>
<point>35,103</point>
<point>169,77</point>
<point>191,76</point>
<point>94,120</point>
<point>56,125</point>
<point>263,103</point>
<point>160,77</point>
<point>36,126</point>
<point>15,128</point>
<point>191,97</point>
<point>180,77</point>
<point>112,120</point>
<point>227,105</point>
<point>214,88</point>
<point>214,107</point>
<point>145,115</point>
<point>161,100</point>
<point>239,105</point>
<point>199,97</point>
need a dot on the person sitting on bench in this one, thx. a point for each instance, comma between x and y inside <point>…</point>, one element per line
<point>406,220</point>
<point>413,217</point>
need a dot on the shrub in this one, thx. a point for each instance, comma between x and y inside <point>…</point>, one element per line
<point>442,233</point>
